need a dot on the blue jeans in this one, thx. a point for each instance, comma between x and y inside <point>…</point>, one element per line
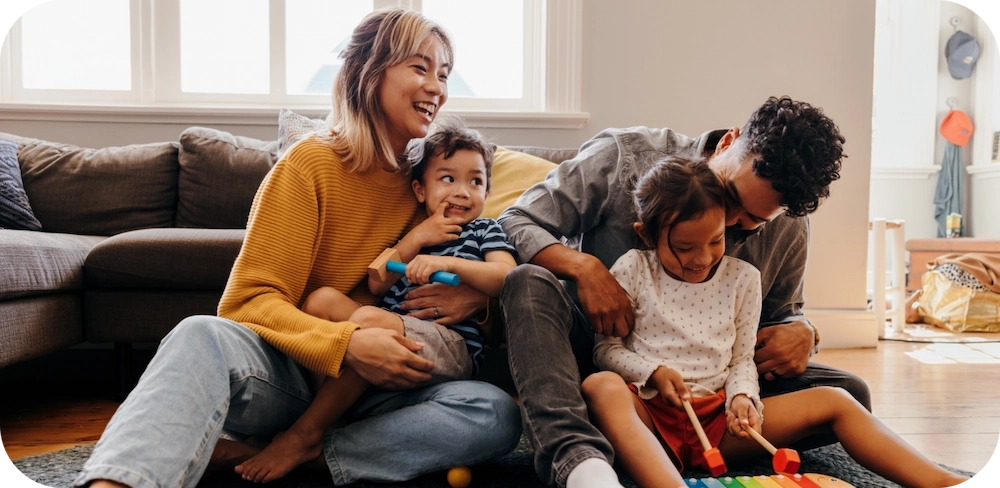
<point>550,347</point>
<point>212,376</point>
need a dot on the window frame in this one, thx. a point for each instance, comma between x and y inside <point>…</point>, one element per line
<point>556,102</point>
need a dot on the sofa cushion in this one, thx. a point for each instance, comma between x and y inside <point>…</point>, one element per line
<point>556,155</point>
<point>104,191</point>
<point>35,326</point>
<point>513,172</point>
<point>171,259</point>
<point>293,127</point>
<point>142,315</point>
<point>15,211</point>
<point>41,263</point>
<point>219,176</point>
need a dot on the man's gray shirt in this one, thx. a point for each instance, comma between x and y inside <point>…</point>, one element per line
<point>586,203</point>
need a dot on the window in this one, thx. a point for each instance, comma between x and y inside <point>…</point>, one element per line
<point>278,53</point>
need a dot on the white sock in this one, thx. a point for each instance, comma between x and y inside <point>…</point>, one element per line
<point>593,473</point>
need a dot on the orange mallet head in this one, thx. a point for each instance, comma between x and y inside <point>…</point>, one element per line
<point>713,458</point>
<point>785,461</point>
<point>716,465</point>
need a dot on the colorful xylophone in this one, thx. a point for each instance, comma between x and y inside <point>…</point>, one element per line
<point>808,480</point>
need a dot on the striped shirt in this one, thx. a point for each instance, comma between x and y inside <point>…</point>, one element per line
<point>477,238</point>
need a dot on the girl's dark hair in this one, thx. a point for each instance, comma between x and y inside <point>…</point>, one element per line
<point>676,190</point>
<point>448,136</point>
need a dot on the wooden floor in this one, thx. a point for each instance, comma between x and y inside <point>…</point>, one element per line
<point>941,398</point>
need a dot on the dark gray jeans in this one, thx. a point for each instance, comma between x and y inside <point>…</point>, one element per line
<point>550,344</point>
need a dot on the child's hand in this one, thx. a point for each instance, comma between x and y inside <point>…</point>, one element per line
<point>742,413</point>
<point>421,267</point>
<point>436,228</point>
<point>671,386</point>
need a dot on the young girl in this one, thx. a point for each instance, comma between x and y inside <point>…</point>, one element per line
<point>318,219</point>
<point>451,175</point>
<point>696,314</point>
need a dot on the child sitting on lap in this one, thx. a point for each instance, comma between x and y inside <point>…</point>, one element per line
<point>451,176</point>
<point>696,317</point>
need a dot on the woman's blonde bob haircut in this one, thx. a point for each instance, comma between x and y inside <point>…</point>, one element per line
<point>384,38</point>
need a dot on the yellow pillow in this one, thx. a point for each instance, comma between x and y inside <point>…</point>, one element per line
<point>513,172</point>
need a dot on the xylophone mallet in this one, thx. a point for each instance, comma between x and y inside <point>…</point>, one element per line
<point>784,461</point>
<point>716,465</point>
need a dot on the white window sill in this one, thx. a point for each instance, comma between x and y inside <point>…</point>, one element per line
<point>255,115</point>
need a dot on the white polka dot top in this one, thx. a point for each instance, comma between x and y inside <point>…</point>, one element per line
<point>705,331</point>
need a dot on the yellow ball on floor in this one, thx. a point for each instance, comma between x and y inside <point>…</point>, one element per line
<point>459,477</point>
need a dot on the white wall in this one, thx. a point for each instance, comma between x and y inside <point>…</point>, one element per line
<point>695,66</point>
<point>906,143</point>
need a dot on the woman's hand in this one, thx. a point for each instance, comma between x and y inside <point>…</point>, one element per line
<point>742,414</point>
<point>671,386</point>
<point>444,304</point>
<point>386,359</point>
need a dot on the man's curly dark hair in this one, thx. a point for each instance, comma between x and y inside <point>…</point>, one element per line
<point>797,148</point>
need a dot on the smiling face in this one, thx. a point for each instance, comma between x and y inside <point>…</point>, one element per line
<point>690,250</point>
<point>413,91</point>
<point>459,180</point>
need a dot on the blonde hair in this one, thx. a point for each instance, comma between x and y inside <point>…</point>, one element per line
<point>384,38</point>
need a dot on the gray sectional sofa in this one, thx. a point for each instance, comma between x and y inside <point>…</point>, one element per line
<point>133,238</point>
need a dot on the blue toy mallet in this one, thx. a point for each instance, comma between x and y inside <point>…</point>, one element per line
<point>388,262</point>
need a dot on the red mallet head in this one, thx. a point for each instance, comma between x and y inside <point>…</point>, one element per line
<point>785,461</point>
<point>716,465</point>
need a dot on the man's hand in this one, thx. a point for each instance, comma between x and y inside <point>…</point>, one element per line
<point>671,386</point>
<point>783,350</point>
<point>742,413</point>
<point>444,304</point>
<point>604,302</point>
<point>385,358</point>
<point>602,299</point>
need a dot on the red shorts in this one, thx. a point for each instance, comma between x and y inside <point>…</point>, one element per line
<point>678,433</point>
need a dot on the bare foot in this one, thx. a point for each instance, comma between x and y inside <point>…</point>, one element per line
<point>228,454</point>
<point>106,484</point>
<point>288,450</point>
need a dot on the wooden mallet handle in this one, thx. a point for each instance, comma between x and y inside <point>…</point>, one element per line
<point>760,439</point>
<point>713,458</point>
<point>784,460</point>
<point>697,425</point>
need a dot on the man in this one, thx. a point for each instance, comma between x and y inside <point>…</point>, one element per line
<point>574,225</point>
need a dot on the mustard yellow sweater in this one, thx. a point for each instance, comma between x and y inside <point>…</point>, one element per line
<point>314,224</point>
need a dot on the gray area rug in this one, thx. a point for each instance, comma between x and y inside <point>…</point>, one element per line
<point>515,469</point>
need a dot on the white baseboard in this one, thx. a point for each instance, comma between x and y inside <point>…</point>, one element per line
<point>844,328</point>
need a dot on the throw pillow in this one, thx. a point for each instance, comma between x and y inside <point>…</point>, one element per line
<point>15,212</point>
<point>99,192</point>
<point>513,172</point>
<point>292,127</point>
<point>219,176</point>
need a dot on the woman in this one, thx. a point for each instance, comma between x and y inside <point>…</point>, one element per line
<point>319,218</point>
